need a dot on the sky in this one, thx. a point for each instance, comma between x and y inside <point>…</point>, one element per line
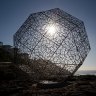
<point>14,12</point>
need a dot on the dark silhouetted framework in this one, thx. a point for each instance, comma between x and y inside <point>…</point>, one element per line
<point>54,43</point>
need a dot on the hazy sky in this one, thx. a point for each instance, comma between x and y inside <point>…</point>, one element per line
<point>14,12</point>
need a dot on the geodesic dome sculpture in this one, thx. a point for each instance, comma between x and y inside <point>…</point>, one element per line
<point>56,43</point>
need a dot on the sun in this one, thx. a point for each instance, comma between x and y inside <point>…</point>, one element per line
<point>51,30</point>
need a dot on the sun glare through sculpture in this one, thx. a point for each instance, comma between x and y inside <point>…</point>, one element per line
<point>51,30</point>
<point>53,43</point>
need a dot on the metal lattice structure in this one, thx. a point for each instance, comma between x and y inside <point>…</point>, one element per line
<point>55,38</point>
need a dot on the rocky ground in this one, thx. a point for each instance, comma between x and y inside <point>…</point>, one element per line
<point>27,88</point>
<point>14,82</point>
<point>77,86</point>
